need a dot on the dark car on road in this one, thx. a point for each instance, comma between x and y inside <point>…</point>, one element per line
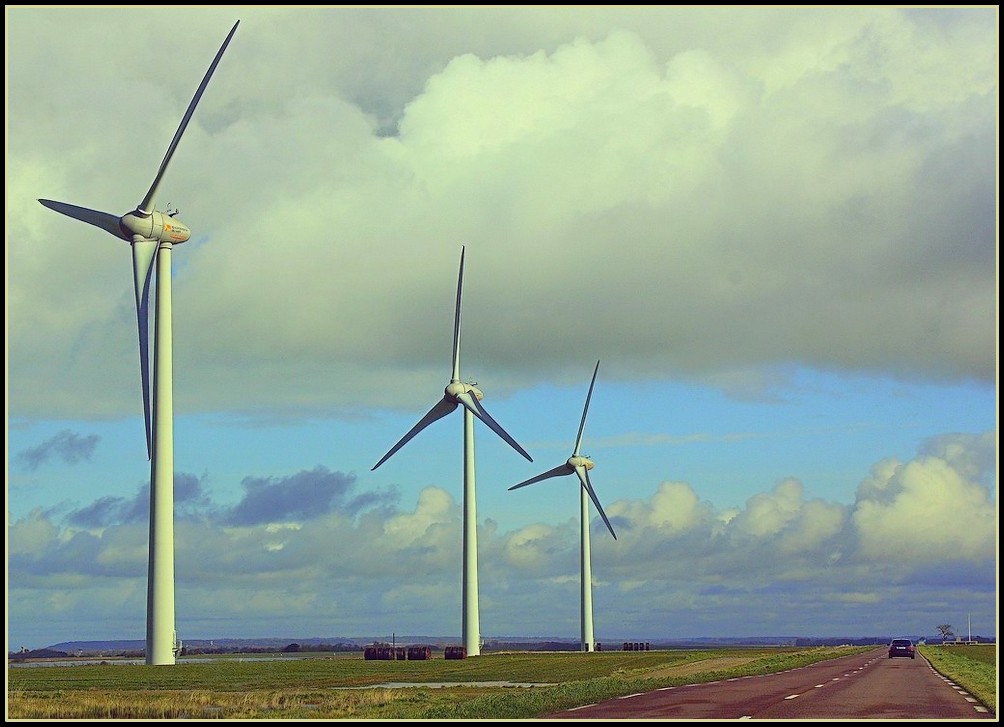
<point>902,647</point>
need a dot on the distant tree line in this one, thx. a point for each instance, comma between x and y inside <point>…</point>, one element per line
<point>839,641</point>
<point>946,633</point>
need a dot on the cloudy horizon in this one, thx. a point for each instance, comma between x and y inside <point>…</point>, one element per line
<point>775,228</point>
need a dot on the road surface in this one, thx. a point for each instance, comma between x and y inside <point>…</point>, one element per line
<point>862,686</point>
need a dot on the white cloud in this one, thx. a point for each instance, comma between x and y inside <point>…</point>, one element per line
<point>31,534</point>
<point>820,522</point>
<point>925,511</point>
<point>435,507</point>
<point>401,565</point>
<point>768,514</point>
<point>673,509</point>
<point>534,546</point>
<point>803,203</point>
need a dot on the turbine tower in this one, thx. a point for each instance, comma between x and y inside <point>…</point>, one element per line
<point>467,394</point>
<point>580,465</point>
<point>152,235</point>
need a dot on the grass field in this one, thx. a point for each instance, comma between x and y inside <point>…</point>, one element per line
<point>972,667</point>
<point>345,686</point>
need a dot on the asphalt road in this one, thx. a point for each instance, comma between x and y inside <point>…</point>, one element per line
<point>862,686</point>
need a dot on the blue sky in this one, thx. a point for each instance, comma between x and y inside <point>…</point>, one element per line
<point>775,228</point>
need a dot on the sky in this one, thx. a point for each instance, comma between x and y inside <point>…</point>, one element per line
<point>775,228</point>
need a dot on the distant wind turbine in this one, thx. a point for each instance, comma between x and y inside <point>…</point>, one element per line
<point>152,234</point>
<point>580,465</point>
<point>467,394</point>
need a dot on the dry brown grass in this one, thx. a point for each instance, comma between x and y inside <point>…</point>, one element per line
<point>198,705</point>
<point>696,667</point>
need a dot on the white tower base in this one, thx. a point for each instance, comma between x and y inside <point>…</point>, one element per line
<point>160,632</point>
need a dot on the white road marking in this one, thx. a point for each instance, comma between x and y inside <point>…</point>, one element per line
<point>628,696</point>
<point>792,696</point>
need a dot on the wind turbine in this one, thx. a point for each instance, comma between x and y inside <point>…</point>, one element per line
<point>469,395</point>
<point>152,234</point>
<point>580,465</point>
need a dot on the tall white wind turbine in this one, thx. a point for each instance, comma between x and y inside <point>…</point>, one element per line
<point>580,465</point>
<point>459,392</point>
<point>152,234</point>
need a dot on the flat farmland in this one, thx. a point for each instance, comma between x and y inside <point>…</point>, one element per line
<point>504,685</point>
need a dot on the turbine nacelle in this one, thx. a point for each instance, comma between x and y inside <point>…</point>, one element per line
<point>576,464</point>
<point>155,226</point>
<point>146,228</point>
<point>456,388</point>
<point>457,392</point>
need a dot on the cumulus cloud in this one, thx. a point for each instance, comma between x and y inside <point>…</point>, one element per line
<point>825,198</point>
<point>972,455</point>
<point>673,510</point>
<point>782,551</point>
<point>898,499</point>
<point>535,547</point>
<point>435,507</point>
<point>66,446</point>
<point>777,560</point>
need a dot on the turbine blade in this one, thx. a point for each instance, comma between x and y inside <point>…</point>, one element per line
<point>144,252</point>
<point>582,422</point>
<point>472,403</point>
<point>443,407</point>
<point>583,474</point>
<point>106,221</point>
<point>146,206</point>
<point>456,321</point>
<point>556,472</point>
